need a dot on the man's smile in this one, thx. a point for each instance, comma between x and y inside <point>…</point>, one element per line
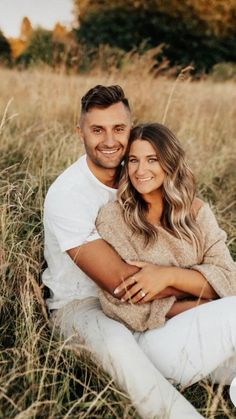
<point>109,151</point>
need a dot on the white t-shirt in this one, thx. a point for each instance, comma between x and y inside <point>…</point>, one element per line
<point>71,207</point>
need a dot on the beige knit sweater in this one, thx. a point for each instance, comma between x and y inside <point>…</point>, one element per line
<point>215,263</point>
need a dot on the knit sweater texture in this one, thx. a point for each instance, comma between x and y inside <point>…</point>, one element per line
<point>215,263</point>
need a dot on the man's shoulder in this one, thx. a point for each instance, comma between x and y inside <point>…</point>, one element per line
<point>71,175</point>
<point>73,178</point>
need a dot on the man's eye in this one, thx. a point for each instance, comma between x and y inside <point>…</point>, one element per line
<point>97,130</point>
<point>120,129</point>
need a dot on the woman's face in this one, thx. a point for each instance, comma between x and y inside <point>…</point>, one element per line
<point>144,169</point>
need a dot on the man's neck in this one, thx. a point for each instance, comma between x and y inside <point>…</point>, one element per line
<point>106,176</point>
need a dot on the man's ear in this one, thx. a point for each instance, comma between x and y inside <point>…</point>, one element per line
<point>80,132</point>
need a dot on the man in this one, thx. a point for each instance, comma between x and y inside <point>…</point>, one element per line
<point>73,202</point>
<point>79,260</point>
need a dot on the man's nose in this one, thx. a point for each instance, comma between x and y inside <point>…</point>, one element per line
<point>109,139</point>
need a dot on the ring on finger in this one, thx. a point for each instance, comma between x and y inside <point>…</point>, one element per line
<point>142,293</point>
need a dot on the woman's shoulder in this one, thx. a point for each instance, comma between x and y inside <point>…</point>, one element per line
<point>110,211</point>
<point>197,205</point>
<point>206,219</point>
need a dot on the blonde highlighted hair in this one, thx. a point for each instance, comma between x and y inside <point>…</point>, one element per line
<point>178,216</point>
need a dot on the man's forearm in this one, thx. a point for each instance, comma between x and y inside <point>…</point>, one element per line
<point>102,264</point>
<point>181,306</point>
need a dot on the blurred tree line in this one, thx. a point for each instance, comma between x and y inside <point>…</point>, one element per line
<point>193,32</point>
<point>197,32</point>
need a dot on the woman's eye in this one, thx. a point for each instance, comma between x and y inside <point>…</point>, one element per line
<point>152,160</point>
<point>132,160</point>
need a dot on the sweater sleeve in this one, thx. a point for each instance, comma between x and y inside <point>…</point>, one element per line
<point>138,317</point>
<point>217,265</point>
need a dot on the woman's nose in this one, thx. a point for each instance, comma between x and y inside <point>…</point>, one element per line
<point>140,168</point>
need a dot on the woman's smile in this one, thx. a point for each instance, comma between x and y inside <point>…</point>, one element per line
<point>145,171</point>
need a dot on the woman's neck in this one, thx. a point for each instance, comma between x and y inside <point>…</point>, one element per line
<point>155,206</point>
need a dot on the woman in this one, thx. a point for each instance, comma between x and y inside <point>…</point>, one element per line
<point>159,221</point>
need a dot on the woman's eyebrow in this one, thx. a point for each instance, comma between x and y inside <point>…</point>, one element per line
<point>149,155</point>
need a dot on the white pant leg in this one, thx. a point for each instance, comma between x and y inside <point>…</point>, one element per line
<point>193,344</point>
<point>225,373</point>
<point>115,347</point>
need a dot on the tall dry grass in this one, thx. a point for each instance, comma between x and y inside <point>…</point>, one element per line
<point>40,375</point>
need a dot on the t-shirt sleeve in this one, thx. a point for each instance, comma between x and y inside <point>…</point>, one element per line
<point>217,264</point>
<point>70,218</point>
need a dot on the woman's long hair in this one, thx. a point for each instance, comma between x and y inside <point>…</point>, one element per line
<point>178,216</point>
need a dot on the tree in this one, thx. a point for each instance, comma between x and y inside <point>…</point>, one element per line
<point>5,49</point>
<point>39,49</point>
<point>26,29</point>
<point>49,47</point>
<point>187,40</point>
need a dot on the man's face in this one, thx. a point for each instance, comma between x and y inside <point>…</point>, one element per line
<point>105,134</point>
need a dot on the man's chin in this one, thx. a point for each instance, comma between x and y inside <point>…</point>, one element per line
<point>110,164</point>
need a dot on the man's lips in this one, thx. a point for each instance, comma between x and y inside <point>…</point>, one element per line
<point>109,151</point>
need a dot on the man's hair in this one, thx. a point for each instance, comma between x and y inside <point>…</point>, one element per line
<point>103,97</point>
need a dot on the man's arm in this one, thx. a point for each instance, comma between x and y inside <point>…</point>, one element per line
<point>105,267</point>
<point>102,264</point>
<point>181,306</point>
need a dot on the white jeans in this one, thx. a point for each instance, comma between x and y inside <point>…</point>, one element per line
<point>187,348</point>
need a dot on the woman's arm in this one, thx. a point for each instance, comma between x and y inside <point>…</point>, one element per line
<point>217,265</point>
<point>192,282</point>
<point>153,280</point>
<point>214,276</point>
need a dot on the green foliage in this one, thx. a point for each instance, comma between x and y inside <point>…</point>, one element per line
<point>5,49</point>
<point>42,48</point>
<point>224,71</point>
<point>186,41</point>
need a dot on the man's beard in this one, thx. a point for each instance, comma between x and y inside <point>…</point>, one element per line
<point>105,163</point>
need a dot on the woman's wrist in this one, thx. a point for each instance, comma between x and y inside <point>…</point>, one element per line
<point>173,277</point>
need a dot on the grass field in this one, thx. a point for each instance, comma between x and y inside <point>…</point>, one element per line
<point>40,375</point>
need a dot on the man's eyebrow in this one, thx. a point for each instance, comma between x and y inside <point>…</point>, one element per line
<point>101,126</point>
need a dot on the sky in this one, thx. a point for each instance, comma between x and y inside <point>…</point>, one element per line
<point>40,12</point>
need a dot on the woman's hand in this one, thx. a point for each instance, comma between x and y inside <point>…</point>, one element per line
<point>145,284</point>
